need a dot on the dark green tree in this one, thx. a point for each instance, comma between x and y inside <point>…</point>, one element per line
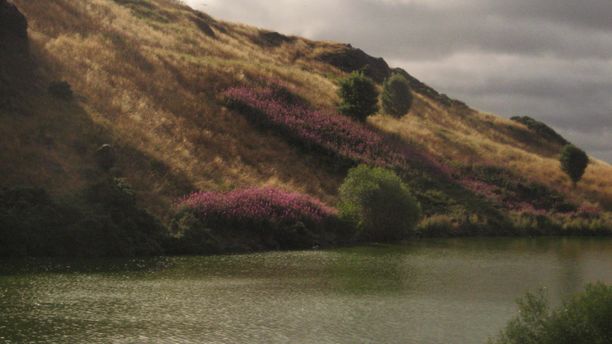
<point>396,96</point>
<point>574,162</point>
<point>358,95</point>
<point>584,319</point>
<point>378,204</point>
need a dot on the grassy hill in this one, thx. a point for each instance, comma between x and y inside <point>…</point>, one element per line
<point>149,78</point>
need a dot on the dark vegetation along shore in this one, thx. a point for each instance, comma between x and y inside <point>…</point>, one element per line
<point>187,135</point>
<point>583,318</point>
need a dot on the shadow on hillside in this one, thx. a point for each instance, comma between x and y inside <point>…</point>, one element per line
<point>52,143</point>
<point>71,138</point>
<point>56,147</point>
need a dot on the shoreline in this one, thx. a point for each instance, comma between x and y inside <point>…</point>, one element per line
<point>406,242</point>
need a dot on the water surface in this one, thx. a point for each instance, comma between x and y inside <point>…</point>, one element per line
<point>430,291</point>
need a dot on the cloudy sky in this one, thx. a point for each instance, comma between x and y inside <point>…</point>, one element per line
<point>549,59</point>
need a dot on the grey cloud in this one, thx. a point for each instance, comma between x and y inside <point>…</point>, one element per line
<point>592,14</point>
<point>420,31</point>
<point>413,34</point>
<point>598,141</point>
<point>550,59</point>
<point>566,94</point>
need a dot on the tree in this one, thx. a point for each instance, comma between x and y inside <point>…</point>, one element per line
<point>379,204</point>
<point>396,96</point>
<point>585,318</point>
<point>574,162</point>
<point>359,97</point>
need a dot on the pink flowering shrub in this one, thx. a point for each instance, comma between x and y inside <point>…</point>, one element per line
<point>258,205</point>
<point>254,218</point>
<point>276,108</point>
<point>589,210</point>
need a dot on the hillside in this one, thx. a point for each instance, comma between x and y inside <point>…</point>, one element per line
<point>150,78</point>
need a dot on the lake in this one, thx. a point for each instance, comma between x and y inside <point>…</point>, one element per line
<point>427,291</point>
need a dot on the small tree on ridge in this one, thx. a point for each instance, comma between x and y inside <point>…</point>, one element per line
<point>396,96</point>
<point>574,162</point>
<point>359,97</point>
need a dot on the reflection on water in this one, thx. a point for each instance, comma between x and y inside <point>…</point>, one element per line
<point>434,291</point>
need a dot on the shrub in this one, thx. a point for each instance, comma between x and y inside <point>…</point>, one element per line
<point>256,218</point>
<point>574,162</point>
<point>359,97</point>
<point>396,96</point>
<point>379,204</point>
<point>105,157</point>
<point>61,90</point>
<point>585,318</point>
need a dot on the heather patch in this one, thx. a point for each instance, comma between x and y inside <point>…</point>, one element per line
<point>253,219</point>
<point>258,205</point>
<point>323,131</point>
<point>512,192</point>
<point>486,191</point>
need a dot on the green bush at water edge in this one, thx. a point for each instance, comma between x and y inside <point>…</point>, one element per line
<point>584,319</point>
<point>379,204</point>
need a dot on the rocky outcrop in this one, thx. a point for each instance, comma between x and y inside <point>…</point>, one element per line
<point>203,22</point>
<point>272,39</point>
<point>349,59</point>
<point>542,129</point>
<point>419,87</point>
<point>13,27</point>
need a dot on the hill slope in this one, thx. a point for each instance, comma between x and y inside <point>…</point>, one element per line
<point>149,78</point>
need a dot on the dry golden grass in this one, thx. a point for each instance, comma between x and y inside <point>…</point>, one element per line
<point>148,79</point>
<point>474,138</point>
<point>154,86</point>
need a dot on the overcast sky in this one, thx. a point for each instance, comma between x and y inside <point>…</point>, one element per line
<point>549,59</point>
